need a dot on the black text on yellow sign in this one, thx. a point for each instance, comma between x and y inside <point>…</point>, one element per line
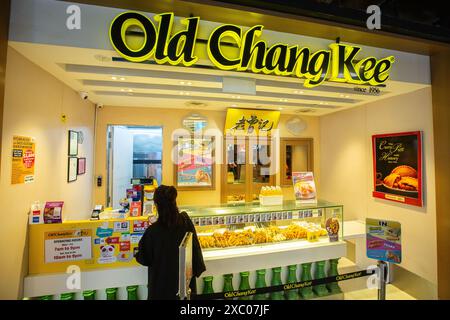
<point>338,63</point>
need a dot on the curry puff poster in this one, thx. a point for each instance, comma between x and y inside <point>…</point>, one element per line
<point>397,167</point>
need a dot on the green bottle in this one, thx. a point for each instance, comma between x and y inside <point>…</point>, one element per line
<point>208,285</point>
<point>321,289</point>
<point>260,283</point>
<point>245,284</point>
<point>68,296</point>
<point>228,284</point>
<point>332,272</point>
<point>292,278</point>
<point>276,280</point>
<point>132,292</point>
<point>47,297</point>
<point>111,294</point>
<point>307,292</point>
<point>89,295</point>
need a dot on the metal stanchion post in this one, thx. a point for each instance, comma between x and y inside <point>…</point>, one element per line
<point>382,280</point>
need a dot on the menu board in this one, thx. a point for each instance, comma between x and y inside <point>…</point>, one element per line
<point>397,167</point>
<point>194,165</point>
<point>23,158</point>
<point>383,240</point>
<point>304,187</point>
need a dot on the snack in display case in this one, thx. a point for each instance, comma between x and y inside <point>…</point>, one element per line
<point>252,224</point>
<point>270,196</point>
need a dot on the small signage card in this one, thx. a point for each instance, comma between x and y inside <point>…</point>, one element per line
<point>383,240</point>
<point>304,187</point>
<point>53,212</point>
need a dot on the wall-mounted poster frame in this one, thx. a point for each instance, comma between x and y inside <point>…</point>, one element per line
<point>81,167</point>
<point>397,167</point>
<point>72,169</point>
<point>73,143</point>
<point>194,163</point>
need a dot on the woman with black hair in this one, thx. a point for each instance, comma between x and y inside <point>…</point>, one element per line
<point>158,248</point>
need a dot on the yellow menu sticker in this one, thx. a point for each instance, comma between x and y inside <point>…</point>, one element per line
<point>23,159</point>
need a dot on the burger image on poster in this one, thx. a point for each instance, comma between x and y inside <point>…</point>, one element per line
<point>107,254</point>
<point>296,125</point>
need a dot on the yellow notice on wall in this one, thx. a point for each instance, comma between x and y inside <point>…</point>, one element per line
<point>23,158</point>
<point>249,122</point>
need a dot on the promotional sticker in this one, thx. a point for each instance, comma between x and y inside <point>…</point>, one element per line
<point>121,226</point>
<point>107,254</point>
<point>135,238</point>
<point>103,233</point>
<point>125,237</point>
<point>124,256</point>
<point>112,240</point>
<point>124,246</point>
<point>140,226</point>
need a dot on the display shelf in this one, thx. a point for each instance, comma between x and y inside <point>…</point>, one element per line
<point>354,229</point>
<point>251,207</point>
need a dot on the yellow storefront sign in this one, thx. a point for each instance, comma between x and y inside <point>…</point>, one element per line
<point>23,158</point>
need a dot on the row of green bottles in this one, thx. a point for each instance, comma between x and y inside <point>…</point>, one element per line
<point>305,293</point>
<point>111,294</point>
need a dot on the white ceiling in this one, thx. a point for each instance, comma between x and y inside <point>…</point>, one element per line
<point>121,83</point>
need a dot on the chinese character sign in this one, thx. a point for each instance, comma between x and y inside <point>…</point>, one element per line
<point>251,122</point>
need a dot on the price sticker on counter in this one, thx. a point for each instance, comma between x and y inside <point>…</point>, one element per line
<point>274,216</point>
<point>228,220</point>
<point>245,218</point>
<point>196,221</point>
<point>257,217</point>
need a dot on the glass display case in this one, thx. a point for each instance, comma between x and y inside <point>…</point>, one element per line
<point>252,224</point>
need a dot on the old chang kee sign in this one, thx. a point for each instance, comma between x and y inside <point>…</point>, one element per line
<point>336,64</point>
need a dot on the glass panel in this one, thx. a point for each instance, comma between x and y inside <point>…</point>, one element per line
<point>261,163</point>
<point>235,162</point>
<point>296,159</point>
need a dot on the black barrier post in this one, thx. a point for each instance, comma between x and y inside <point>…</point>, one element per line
<point>382,266</point>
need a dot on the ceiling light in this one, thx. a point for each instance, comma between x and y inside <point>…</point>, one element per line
<point>188,93</point>
<point>189,83</point>
<point>130,90</point>
<point>234,105</point>
<point>301,92</point>
<point>280,108</point>
<point>295,91</point>
<point>341,95</point>
<point>321,102</point>
<point>114,78</point>
<point>347,96</point>
<point>123,90</point>
<point>182,83</point>
<point>122,78</point>
<point>181,92</point>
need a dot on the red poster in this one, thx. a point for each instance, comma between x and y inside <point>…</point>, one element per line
<point>125,246</point>
<point>397,167</point>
